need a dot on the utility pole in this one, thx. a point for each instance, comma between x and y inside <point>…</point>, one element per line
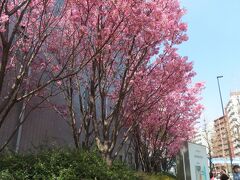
<point>225,120</point>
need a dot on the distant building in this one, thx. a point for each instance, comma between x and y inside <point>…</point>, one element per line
<point>221,138</point>
<point>203,134</point>
<point>226,136</point>
<point>198,137</point>
<point>233,114</point>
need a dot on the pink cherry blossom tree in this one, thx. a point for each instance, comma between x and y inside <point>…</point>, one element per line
<point>114,62</point>
<point>127,34</point>
<point>161,129</point>
<point>24,27</point>
<point>41,41</point>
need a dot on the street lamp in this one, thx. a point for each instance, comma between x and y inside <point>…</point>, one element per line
<point>229,146</point>
<point>219,89</point>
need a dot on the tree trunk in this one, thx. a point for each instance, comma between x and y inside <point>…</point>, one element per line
<point>136,158</point>
<point>108,159</point>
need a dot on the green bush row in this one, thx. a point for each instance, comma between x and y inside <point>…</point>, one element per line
<point>61,165</point>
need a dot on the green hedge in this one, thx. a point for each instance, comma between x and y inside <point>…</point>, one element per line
<point>158,176</point>
<point>61,165</point>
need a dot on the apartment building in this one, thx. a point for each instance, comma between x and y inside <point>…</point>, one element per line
<point>198,137</point>
<point>233,114</point>
<point>221,139</point>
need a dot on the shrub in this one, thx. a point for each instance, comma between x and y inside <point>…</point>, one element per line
<point>61,165</point>
<point>6,175</point>
<point>158,176</point>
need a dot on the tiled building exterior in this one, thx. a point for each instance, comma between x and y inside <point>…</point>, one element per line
<point>221,138</point>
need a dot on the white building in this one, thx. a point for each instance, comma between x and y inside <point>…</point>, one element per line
<point>233,113</point>
<point>198,137</point>
<point>203,134</point>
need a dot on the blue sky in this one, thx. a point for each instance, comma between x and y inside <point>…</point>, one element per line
<point>214,47</point>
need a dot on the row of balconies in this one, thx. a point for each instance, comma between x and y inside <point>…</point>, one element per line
<point>220,147</point>
<point>232,104</point>
<point>236,150</point>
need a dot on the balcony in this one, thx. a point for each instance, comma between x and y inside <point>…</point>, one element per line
<point>237,150</point>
